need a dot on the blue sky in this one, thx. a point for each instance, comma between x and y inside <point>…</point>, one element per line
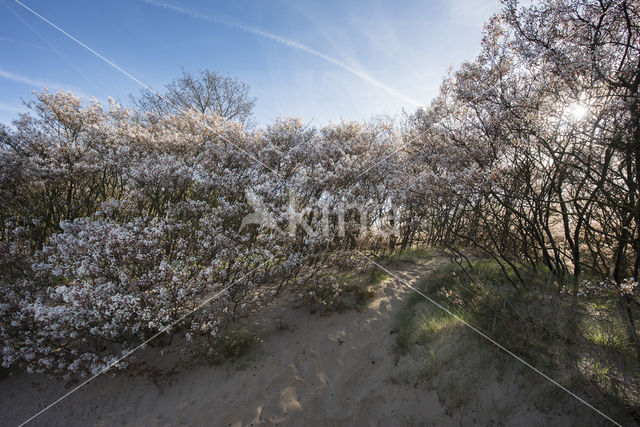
<point>319,60</point>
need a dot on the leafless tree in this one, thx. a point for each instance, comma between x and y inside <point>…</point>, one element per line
<point>206,92</point>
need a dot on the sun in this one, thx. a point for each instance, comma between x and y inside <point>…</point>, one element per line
<point>577,111</point>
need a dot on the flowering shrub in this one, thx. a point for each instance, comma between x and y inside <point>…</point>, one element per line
<point>117,225</point>
<point>323,295</point>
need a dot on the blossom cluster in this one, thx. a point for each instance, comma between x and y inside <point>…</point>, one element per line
<point>118,224</point>
<point>590,288</point>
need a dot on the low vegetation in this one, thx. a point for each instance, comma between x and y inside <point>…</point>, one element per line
<point>335,291</point>
<point>581,339</point>
<point>176,216</point>
<point>405,256</point>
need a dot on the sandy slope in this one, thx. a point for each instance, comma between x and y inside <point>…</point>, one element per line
<point>336,370</point>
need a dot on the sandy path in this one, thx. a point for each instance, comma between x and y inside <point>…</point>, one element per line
<point>336,370</point>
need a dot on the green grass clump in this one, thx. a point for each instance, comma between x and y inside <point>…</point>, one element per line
<point>607,332</point>
<point>231,345</point>
<point>419,321</point>
<point>429,326</point>
<point>513,316</point>
<point>582,339</point>
<point>337,291</point>
<point>364,284</point>
<point>407,256</point>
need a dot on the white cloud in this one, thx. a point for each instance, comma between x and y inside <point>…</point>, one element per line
<point>26,80</point>
<point>37,83</point>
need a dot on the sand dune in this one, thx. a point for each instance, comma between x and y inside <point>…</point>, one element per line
<point>336,370</point>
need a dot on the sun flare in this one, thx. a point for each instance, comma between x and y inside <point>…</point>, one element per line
<point>577,111</point>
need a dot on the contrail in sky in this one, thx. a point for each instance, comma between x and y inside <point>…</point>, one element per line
<point>52,48</point>
<point>82,44</point>
<point>290,43</point>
